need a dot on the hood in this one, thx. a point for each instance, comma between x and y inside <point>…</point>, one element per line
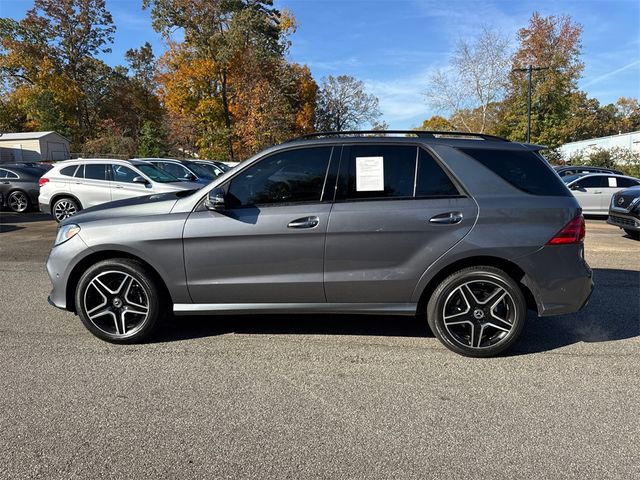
<point>156,204</point>
<point>179,186</point>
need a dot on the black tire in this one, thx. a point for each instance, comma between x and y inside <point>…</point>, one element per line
<point>483,300</point>
<point>18,201</point>
<point>114,309</point>
<point>63,208</point>
<point>635,234</point>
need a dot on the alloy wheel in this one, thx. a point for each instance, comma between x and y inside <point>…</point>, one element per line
<point>18,202</point>
<point>64,209</point>
<point>479,314</point>
<point>116,303</point>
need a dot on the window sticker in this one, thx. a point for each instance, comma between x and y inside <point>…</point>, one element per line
<point>369,174</point>
<point>612,182</point>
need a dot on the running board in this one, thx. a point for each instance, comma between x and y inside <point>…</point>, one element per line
<point>358,308</point>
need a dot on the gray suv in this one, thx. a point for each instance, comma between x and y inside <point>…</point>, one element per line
<point>466,230</point>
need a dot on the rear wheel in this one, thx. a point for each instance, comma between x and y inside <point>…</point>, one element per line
<point>118,300</point>
<point>64,208</point>
<point>477,311</point>
<point>18,201</point>
<point>633,233</point>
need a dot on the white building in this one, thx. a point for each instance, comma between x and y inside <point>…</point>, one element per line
<point>33,147</point>
<point>629,141</point>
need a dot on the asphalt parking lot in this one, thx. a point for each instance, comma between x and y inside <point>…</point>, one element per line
<point>316,396</point>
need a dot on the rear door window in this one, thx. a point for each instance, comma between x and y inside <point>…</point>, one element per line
<point>525,170</point>
<point>95,171</point>
<point>626,182</point>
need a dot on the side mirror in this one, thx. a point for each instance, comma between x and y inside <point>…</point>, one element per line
<point>141,180</point>
<point>215,199</point>
<point>190,177</point>
<point>575,187</point>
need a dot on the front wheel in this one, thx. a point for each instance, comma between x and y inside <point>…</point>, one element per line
<point>119,301</point>
<point>477,311</point>
<point>635,234</point>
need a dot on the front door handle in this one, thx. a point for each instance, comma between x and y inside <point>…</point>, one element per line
<point>304,222</point>
<point>119,186</point>
<point>447,218</point>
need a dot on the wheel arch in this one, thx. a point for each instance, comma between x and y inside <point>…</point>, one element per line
<point>58,196</point>
<point>510,268</point>
<point>93,258</point>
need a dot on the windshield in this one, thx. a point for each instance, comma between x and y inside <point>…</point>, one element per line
<point>571,178</point>
<point>200,171</point>
<point>212,169</point>
<point>156,174</point>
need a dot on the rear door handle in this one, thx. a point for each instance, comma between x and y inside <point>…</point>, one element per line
<point>304,222</point>
<point>446,218</point>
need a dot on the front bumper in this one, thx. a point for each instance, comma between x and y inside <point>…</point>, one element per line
<point>626,221</point>
<point>60,263</point>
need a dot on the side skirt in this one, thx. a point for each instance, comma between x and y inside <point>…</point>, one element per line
<point>243,308</point>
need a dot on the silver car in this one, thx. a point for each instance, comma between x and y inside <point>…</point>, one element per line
<point>466,232</point>
<point>594,190</point>
<point>74,185</point>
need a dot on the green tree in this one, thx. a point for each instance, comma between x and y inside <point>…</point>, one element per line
<point>552,42</point>
<point>151,141</point>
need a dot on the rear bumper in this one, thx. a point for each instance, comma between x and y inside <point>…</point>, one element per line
<point>622,220</point>
<point>44,208</point>
<point>559,278</point>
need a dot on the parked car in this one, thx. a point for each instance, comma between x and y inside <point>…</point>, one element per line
<point>624,211</point>
<point>466,232</point>
<point>186,170</point>
<point>73,185</point>
<point>594,190</point>
<point>566,170</point>
<point>19,186</point>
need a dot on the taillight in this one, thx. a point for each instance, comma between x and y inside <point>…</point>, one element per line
<point>572,232</point>
<point>43,181</point>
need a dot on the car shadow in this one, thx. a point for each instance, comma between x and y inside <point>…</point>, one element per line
<point>5,228</point>
<point>613,313</point>
<point>29,217</point>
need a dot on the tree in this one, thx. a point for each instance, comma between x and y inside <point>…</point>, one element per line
<point>475,80</point>
<point>220,38</point>
<point>436,123</point>
<point>553,43</point>
<point>151,141</point>
<point>110,141</point>
<point>143,64</point>
<point>48,55</point>
<point>343,104</point>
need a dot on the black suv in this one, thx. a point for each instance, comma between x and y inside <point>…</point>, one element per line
<point>624,211</point>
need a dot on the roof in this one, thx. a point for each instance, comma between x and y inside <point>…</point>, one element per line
<point>27,135</point>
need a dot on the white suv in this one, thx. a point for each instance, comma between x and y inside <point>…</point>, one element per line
<point>73,185</point>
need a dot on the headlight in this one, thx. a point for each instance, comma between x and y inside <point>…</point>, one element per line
<point>66,232</point>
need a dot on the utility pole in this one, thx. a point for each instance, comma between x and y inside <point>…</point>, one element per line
<point>529,70</point>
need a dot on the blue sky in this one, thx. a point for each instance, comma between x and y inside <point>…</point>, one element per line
<point>393,46</point>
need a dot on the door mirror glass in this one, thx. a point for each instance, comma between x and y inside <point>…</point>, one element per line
<point>215,199</point>
<point>140,179</point>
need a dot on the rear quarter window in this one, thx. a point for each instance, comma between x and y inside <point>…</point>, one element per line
<point>525,170</point>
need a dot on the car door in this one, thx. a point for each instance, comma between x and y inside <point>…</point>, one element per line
<point>589,192</point>
<point>267,246</point>
<point>90,185</point>
<point>396,212</point>
<point>122,184</point>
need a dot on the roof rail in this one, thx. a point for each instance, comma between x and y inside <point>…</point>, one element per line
<point>417,133</point>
